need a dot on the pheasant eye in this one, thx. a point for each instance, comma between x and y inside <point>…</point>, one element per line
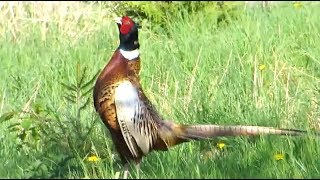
<point>126,23</point>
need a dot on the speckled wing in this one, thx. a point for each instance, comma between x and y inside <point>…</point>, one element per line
<point>136,123</point>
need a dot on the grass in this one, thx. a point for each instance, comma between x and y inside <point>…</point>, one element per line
<point>196,73</point>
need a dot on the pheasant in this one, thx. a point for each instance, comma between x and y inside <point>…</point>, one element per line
<point>135,126</point>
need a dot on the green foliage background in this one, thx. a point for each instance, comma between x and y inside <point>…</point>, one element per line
<point>202,62</point>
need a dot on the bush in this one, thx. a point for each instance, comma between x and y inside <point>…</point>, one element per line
<point>157,13</point>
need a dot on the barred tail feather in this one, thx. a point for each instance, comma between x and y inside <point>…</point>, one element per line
<point>172,134</point>
<point>209,131</point>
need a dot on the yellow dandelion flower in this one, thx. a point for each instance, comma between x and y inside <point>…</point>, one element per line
<point>221,145</point>
<point>262,67</point>
<point>297,4</point>
<point>93,158</point>
<point>278,156</point>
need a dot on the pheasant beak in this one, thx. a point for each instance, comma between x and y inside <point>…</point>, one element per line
<point>118,20</point>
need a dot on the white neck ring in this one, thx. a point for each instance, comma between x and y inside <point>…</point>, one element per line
<point>130,55</point>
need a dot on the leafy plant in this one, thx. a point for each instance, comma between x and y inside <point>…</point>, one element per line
<point>157,13</point>
<point>58,136</point>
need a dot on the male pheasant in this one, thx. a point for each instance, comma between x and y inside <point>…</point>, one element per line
<point>136,127</point>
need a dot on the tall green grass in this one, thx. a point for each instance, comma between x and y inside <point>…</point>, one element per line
<point>195,73</point>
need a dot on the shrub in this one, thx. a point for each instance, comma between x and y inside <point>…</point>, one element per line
<point>157,13</point>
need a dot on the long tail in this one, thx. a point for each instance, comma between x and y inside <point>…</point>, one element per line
<point>209,131</point>
<point>173,134</point>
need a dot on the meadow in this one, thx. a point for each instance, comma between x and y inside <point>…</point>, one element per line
<point>260,69</point>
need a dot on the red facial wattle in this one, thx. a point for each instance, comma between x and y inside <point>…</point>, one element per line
<point>126,25</point>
